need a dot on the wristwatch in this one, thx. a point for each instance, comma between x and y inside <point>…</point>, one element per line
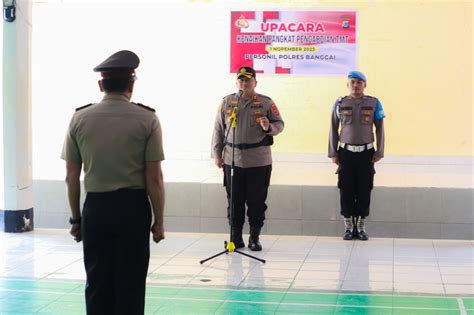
<point>75,221</point>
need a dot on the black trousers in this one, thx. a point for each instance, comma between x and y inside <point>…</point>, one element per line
<point>355,181</point>
<point>116,240</point>
<point>250,187</point>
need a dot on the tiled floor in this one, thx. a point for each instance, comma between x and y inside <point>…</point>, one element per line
<point>42,272</point>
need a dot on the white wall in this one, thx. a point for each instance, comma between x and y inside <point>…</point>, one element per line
<point>183,74</point>
<point>2,199</point>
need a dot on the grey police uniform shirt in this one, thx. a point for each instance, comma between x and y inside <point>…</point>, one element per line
<point>113,139</point>
<point>247,131</point>
<point>356,117</point>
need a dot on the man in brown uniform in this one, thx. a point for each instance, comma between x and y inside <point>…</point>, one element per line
<point>356,114</point>
<point>258,120</point>
<point>120,145</point>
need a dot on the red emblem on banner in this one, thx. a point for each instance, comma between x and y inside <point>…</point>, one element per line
<point>242,22</point>
<point>275,110</point>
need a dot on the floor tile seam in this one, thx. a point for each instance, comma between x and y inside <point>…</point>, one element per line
<point>225,300</point>
<point>301,265</point>
<point>406,295</point>
<point>59,294</point>
<point>219,278</point>
<point>449,284</point>
<point>393,265</point>
<point>418,276</point>
<point>38,279</point>
<point>350,260</point>
<point>47,305</point>
<point>457,283</point>
<point>254,302</point>
<point>468,272</point>
<point>438,266</point>
<point>15,268</point>
<point>304,304</point>
<point>179,252</point>
<point>262,291</point>
<point>274,242</point>
<point>52,273</point>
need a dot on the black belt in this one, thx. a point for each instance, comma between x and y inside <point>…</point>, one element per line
<point>268,140</point>
<point>121,191</point>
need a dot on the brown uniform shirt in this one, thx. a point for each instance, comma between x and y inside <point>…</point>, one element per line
<point>356,118</point>
<point>247,131</point>
<point>113,139</point>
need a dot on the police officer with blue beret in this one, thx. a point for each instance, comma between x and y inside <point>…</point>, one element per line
<point>352,149</point>
<point>119,144</point>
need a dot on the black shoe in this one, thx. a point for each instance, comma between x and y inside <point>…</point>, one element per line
<point>355,233</point>
<point>254,244</point>
<point>239,243</point>
<point>347,235</point>
<point>237,238</point>
<point>363,236</point>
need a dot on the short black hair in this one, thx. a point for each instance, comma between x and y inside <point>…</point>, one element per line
<point>115,85</point>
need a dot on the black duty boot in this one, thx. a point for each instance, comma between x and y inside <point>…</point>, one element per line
<point>237,238</point>
<point>355,232</point>
<point>254,243</point>
<point>363,236</point>
<point>349,226</point>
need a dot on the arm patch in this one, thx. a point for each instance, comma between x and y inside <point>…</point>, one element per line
<point>337,106</point>
<point>379,112</point>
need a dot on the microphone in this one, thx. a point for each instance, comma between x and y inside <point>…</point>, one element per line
<point>239,95</point>
<point>233,116</point>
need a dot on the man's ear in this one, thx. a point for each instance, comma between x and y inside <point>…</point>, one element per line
<point>100,86</point>
<point>130,86</point>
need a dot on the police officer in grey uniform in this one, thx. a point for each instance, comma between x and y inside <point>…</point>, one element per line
<point>119,143</point>
<point>258,120</point>
<point>352,149</point>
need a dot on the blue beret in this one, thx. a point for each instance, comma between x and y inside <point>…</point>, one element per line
<point>357,75</point>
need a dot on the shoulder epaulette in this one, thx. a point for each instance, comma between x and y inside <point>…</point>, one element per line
<point>369,96</point>
<point>232,94</point>
<point>144,106</point>
<point>340,99</point>
<point>82,107</point>
<point>264,96</point>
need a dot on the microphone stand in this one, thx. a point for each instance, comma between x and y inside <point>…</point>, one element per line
<point>229,245</point>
